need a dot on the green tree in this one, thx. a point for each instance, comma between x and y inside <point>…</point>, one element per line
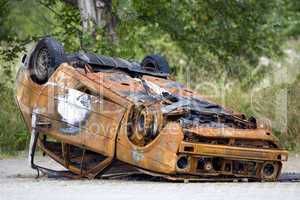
<point>211,37</point>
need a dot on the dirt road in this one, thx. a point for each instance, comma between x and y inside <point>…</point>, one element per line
<point>17,181</point>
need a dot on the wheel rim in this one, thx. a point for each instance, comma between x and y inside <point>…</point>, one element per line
<point>41,64</point>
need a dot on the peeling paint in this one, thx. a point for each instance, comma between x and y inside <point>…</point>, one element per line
<point>74,107</point>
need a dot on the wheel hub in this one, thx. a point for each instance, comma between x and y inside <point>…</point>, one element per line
<point>42,64</point>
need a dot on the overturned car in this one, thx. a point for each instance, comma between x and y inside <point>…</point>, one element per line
<point>92,113</point>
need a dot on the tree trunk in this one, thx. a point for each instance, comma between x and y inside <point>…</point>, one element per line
<point>111,21</point>
<point>97,13</point>
<point>88,14</point>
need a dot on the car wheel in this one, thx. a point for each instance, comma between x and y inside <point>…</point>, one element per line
<point>46,57</point>
<point>155,63</point>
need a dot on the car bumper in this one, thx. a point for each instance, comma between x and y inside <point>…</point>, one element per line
<point>233,152</point>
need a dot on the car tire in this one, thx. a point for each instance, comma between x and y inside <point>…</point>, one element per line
<point>155,63</point>
<point>46,57</point>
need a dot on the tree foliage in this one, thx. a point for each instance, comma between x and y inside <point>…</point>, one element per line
<point>218,36</point>
<point>208,38</point>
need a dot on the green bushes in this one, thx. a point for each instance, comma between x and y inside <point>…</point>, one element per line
<point>268,97</point>
<point>13,133</point>
<point>274,95</point>
<point>215,47</point>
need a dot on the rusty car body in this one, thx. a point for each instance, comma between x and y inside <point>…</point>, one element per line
<point>88,111</point>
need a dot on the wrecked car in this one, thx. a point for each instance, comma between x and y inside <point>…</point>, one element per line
<point>92,113</point>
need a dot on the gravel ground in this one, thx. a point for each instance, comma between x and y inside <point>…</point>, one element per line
<point>17,181</point>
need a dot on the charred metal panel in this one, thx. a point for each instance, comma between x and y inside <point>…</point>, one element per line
<point>160,155</point>
<point>78,115</point>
